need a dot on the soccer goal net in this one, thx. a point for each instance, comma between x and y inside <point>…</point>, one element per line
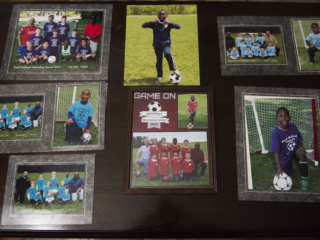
<point>301,30</point>
<point>70,94</point>
<point>261,122</point>
<point>73,24</point>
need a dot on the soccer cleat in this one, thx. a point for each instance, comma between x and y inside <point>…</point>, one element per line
<point>177,72</point>
<point>137,174</point>
<point>159,79</point>
<point>70,142</point>
<point>304,184</point>
<point>192,125</point>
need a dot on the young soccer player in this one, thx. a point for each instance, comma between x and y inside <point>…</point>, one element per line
<point>23,117</point>
<point>42,54</point>
<point>185,149</point>
<point>4,112</point>
<point>174,147</point>
<point>287,144</point>
<point>163,145</point>
<point>54,42</point>
<point>16,112</point>
<point>79,117</point>
<point>50,198</point>
<point>239,41</point>
<point>63,29</point>
<point>65,52</point>
<point>41,183</point>
<point>54,183</point>
<point>67,180</point>
<point>255,49</point>
<point>229,52</point>
<point>32,191</point>
<point>46,189</point>
<point>271,50</point>
<point>248,40</point>
<point>248,53</point>
<point>48,28</point>
<point>37,198</point>
<point>234,54</point>
<point>61,190</point>
<point>192,108</point>
<point>243,48</point>
<point>84,51</point>
<point>74,40</point>
<point>13,125</point>
<point>29,108</point>
<point>28,55</point>
<point>2,125</point>
<point>162,41</point>
<point>188,166</point>
<point>37,39</point>
<point>164,164</point>
<point>315,38</point>
<point>263,54</point>
<point>9,117</point>
<point>175,167</point>
<point>260,40</point>
<point>65,198</point>
<point>153,167</point>
<point>26,125</point>
<point>155,148</point>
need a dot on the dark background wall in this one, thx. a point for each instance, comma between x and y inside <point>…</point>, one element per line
<point>189,216</point>
<point>49,168</point>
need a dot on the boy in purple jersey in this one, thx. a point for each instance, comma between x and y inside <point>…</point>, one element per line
<point>54,42</point>
<point>286,144</point>
<point>48,28</point>
<point>37,39</point>
<point>84,51</point>
<point>43,53</point>
<point>28,55</point>
<point>74,40</point>
<point>63,29</point>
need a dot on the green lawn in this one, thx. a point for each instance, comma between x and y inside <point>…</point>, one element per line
<point>278,60</point>
<point>303,53</point>
<point>201,118</point>
<point>59,136</point>
<point>74,66</point>
<point>140,59</point>
<point>28,208</point>
<point>143,180</point>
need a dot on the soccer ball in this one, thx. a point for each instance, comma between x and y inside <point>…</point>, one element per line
<point>154,107</point>
<point>52,59</point>
<point>85,138</point>
<point>174,78</point>
<point>282,182</point>
<point>165,179</point>
<point>189,126</point>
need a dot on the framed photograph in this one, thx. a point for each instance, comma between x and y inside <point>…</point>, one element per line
<point>54,42</point>
<point>49,190</point>
<point>165,32</point>
<point>170,142</point>
<point>277,144</point>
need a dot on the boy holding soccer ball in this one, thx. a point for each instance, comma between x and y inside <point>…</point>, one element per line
<point>42,55</point>
<point>192,108</point>
<point>286,144</point>
<point>315,38</point>
<point>28,55</point>
<point>84,51</point>
<point>54,42</point>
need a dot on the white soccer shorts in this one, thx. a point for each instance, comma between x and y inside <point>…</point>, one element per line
<point>35,122</point>
<point>93,46</point>
<point>75,196</point>
<point>17,118</point>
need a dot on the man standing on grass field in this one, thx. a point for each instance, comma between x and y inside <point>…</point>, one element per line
<point>197,157</point>
<point>162,41</point>
<point>93,32</point>
<point>22,184</point>
<point>76,185</point>
<point>273,40</point>
<point>27,32</point>
<point>145,150</point>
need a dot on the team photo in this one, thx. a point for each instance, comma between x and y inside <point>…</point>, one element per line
<point>282,150</point>
<point>77,115</point>
<point>174,29</point>
<point>20,117</point>
<point>254,45</point>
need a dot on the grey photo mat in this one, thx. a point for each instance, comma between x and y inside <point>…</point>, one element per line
<point>105,38</point>
<point>254,195</point>
<point>44,221</point>
<point>289,68</point>
<point>45,143</point>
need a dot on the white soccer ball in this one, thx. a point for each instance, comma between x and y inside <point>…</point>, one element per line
<point>154,107</point>
<point>282,182</point>
<point>52,59</point>
<point>85,138</point>
<point>174,78</point>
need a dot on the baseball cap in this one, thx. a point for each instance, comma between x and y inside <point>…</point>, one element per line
<point>93,17</point>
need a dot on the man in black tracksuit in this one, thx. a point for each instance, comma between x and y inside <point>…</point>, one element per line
<point>229,41</point>
<point>22,184</point>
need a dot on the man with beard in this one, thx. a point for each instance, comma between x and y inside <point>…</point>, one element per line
<point>22,184</point>
<point>27,32</point>
<point>197,157</point>
<point>35,114</point>
<point>93,32</point>
<point>76,185</point>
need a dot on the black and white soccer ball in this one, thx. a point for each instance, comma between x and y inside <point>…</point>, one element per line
<point>154,107</point>
<point>174,78</point>
<point>85,138</point>
<point>52,59</point>
<point>282,182</point>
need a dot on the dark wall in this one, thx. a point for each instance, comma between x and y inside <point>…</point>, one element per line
<point>253,29</point>
<point>50,168</point>
<point>21,99</point>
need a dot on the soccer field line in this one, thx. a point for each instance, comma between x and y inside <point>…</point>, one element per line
<point>196,112</point>
<point>182,15</point>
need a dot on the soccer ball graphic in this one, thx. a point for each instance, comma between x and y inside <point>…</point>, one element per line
<point>154,107</point>
<point>174,78</point>
<point>52,59</point>
<point>165,179</point>
<point>189,126</point>
<point>282,182</point>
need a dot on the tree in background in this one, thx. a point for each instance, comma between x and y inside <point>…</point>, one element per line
<point>154,9</point>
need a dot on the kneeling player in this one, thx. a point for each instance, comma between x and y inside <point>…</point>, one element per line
<point>315,38</point>
<point>234,54</point>
<point>26,125</point>
<point>28,55</point>
<point>192,108</point>
<point>50,198</point>
<point>37,198</point>
<point>2,125</point>
<point>43,53</point>
<point>66,52</point>
<point>64,199</point>
<point>263,54</point>
<point>79,117</point>
<point>84,51</point>
<point>13,125</point>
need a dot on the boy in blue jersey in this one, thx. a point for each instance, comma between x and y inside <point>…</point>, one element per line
<point>13,125</point>
<point>16,112</point>
<point>67,180</point>
<point>32,191</point>
<point>260,40</point>
<point>66,52</point>
<point>54,42</point>
<point>29,54</point>
<point>23,118</point>
<point>27,124</point>
<point>37,198</point>
<point>248,40</point>
<point>263,54</point>
<point>41,183</point>
<point>65,198</point>
<point>315,38</point>
<point>50,198</point>
<point>48,28</point>
<point>79,117</point>
<point>54,182</point>
<point>248,53</point>
<point>42,54</point>
<point>234,54</point>
<point>29,108</point>
<point>63,29</point>
<point>271,50</point>
<point>243,48</point>
<point>255,49</point>
<point>2,125</point>
<point>37,39</point>
<point>74,40</point>
<point>61,191</point>
<point>84,51</point>
<point>239,42</point>
<point>162,41</point>
<point>9,117</point>
<point>46,189</point>
<point>4,112</point>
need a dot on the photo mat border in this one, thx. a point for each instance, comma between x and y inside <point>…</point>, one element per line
<point>19,221</point>
<point>104,44</point>
<point>253,195</point>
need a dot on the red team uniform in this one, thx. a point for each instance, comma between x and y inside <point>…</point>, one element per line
<point>164,165</point>
<point>154,149</point>
<point>27,32</point>
<point>163,147</point>
<point>192,106</point>
<point>153,168</point>
<point>175,165</point>
<point>188,166</point>
<point>172,148</point>
<point>184,151</point>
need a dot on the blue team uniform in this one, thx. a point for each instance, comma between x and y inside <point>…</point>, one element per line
<point>32,192</point>
<point>238,41</point>
<point>41,52</point>
<point>28,123</point>
<point>23,119</point>
<point>37,41</point>
<point>66,181</point>
<point>39,197</point>
<point>255,50</point>
<point>28,53</point>
<point>263,54</point>
<point>3,125</point>
<point>81,112</point>
<point>54,45</point>
<point>29,108</point>
<point>235,54</point>
<point>41,184</point>
<point>63,32</point>
<point>66,196</point>
<point>48,28</point>
<point>315,38</point>
<point>61,191</point>
<point>74,43</point>
<point>271,51</point>
<point>248,54</point>
<point>16,112</point>
<point>243,48</point>
<point>84,51</point>
<point>248,42</point>
<point>9,117</point>
<point>54,183</point>
<point>4,112</point>
<point>46,190</point>
<point>260,41</point>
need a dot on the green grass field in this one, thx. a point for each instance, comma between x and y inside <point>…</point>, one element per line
<point>74,66</point>
<point>143,180</point>
<point>59,136</point>
<point>140,59</point>
<point>304,64</point>
<point>201,118</point>
<point>278,60</point>
<point>28,208</point>
<point>20,134</point>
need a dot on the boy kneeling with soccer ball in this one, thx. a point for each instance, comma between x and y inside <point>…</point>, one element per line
<point>79,117</point>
